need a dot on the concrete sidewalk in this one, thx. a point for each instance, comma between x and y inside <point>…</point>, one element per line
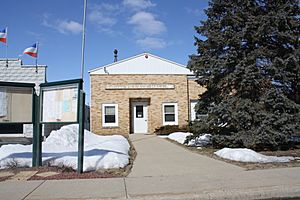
<point>163,170</point>
<point>158,158</point>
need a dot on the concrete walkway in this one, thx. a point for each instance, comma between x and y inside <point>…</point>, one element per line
<point>160,158</point>
<point>163,170</point>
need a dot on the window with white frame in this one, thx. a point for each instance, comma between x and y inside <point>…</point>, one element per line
<point>170,114</point>
<point>109,115</point>
<point>196,115</point>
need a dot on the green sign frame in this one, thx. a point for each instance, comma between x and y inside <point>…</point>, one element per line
<point>60,85</point>
<point>37,159</point>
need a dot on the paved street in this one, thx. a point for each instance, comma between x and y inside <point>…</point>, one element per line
<point>163,170</point>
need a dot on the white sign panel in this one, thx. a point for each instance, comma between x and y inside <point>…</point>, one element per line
<point>140,86</point>
<point>60,103</point>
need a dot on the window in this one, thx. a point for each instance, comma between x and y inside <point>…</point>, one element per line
<point>109,115</point>
<point>170,114</point>
<point>194,114</point>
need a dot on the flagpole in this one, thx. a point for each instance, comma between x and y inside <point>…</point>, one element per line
<point>83,39</point>
<point>36,59</point>
<point>6,44</point>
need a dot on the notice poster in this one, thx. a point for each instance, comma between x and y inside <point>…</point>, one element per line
<point>60,103</point>
<point>15,104</point>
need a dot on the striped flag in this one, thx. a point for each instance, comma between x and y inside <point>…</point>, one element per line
<point>32,50</point>
<point>3,35</point>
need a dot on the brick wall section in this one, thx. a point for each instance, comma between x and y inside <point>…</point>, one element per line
<point>99,96</point>
<point>195,89</point>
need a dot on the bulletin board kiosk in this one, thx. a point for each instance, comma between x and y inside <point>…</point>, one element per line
<point>61,102</point>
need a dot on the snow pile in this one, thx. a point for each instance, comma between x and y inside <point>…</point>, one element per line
<point>179,137</point>
<point>201,141</point>
<point>60,149</point>
<point>248,155</point>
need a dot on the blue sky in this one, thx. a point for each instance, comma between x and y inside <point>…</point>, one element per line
<point>164,28</point>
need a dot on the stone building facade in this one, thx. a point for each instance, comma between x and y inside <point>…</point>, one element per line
<point>140,94</point>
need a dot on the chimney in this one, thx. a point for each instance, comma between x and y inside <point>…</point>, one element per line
<point>116,55</point>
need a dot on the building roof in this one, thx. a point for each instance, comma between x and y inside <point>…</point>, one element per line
<point>12,70</point>
<point>144,63</point>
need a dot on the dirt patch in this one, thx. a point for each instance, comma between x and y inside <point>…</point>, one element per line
<point>69,173</point>
<point>209,152</point>
<point>132,156</point>
<point>4,178</point>
<point>64,173</point>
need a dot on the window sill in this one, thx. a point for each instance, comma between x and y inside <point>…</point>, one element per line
<point>110,127</point>
<point>170,124</point>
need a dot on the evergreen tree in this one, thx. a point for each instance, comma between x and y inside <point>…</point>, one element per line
<point>249,61</point>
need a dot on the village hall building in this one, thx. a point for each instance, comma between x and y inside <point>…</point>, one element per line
<point>140,94</point>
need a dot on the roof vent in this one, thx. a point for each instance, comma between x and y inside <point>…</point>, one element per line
<point>116,55</point>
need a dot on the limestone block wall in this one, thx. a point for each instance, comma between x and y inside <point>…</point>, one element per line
<point>195,89</point>
<point>123,97</point>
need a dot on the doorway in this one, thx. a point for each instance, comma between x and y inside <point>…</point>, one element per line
<point>139,117</point>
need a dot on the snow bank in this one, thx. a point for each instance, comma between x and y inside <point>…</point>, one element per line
<point>248,155</point>
<point>201,141</point>
<point>179,137</point>
<point>60,149</point>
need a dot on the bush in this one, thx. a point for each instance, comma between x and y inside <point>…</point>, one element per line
<point>168,129</point>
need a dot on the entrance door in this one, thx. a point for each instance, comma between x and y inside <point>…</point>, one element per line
<point>140,117</point>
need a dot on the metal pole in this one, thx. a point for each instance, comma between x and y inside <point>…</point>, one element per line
<point>81,132</point>
<point>6,49</point>
<point>36,59</point>
<point>37,137</point>
<point>83,39</point>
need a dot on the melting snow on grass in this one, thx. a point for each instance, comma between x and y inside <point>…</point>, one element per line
<point>241,155</point>
<point>200,141</point>
<point>179,137</point>
<point>60,149</point>
<point>248,155</point>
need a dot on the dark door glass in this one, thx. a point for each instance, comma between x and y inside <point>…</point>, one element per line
<point>139,112</point>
